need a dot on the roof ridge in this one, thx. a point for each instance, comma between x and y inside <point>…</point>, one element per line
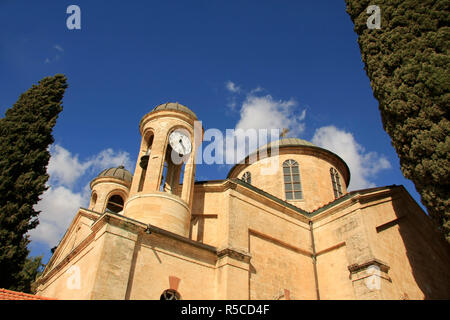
<point>271,196</point>
<point>11,294</point>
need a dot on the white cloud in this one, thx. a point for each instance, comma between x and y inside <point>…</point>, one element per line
<point>108,158</point>
<point>232,87</point>
<point>266,113</point>
<point>58,206</point>
<point>65,168</point>
<point>61,201</point>
<point>256,90</point>
<point>60,50</point>
<point>263,112</point>
<point>363,165</point>
<point>58,47</point>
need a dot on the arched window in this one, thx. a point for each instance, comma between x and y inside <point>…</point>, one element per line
<point>247,177</point>
<point>336,182</point>
<point>115,204</point>
<point>93,200</point>
<point>292,185</point>
<point>148,140</point>
<point>170,294</point>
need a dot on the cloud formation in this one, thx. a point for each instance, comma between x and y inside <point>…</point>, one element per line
<point>363,165</point>
<point>232,87</point>
<point>264,112</point>
<point>58,206</point>
<point>258,111</point>
<point>58,47</point>
<point>60,50</point>
<point>69,189</point>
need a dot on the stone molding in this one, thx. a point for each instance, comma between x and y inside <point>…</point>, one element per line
<point>359,271</point>
<point>235,254</point>
<point>159,194</point>
<point>111,180</point>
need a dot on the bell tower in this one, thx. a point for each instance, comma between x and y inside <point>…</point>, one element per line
<point>161,192</point>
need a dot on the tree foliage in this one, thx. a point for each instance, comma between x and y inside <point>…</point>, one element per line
<point>31,269</point>
<point>25,135</point>
<point>407,63</point>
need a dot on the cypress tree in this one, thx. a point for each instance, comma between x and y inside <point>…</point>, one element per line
<point>407,63</point>
<point>25,135</point>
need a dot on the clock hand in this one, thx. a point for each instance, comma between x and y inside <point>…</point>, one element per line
<point>184,150</point>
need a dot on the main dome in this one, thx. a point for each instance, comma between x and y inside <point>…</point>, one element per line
<point>175,106</point>
<point>284,145</point>
<point>294,142</point>
<point>285,142</point>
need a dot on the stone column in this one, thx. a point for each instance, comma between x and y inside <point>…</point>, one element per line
<point>138,170</point>
<point>156,162</point>
<point>188,180</point>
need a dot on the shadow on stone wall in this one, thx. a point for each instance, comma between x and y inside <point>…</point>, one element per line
<point>427,250</point>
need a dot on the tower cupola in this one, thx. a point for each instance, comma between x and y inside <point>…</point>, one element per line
<point>162,189</point>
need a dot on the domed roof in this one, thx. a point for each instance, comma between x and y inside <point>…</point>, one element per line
<point>287,142</point>
<point>175,106</point>
<point>294,142</point>
<point>120,173</point>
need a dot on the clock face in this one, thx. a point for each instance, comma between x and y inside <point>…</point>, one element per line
<point>180,143</point>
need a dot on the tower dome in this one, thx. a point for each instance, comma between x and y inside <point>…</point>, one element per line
<point>117,172</point>
<point>175,106</point>
<point>162,190</point>
<point>110,189</point>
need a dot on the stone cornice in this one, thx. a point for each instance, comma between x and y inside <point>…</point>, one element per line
<point>81,212</point>
<point>354,268</point>
<point>235,254</point>
<point>123,222</point>
<point>120,182</point>
<point>159,194</point>
<point>363,270</point>
<point>270,200</point>
<point>82,245</point>
<point>186,118</point>
<point>351,198</point>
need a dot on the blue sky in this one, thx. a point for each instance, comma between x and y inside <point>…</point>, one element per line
<point>294,61</point>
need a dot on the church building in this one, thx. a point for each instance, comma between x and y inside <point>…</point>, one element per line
<point>291,233</point>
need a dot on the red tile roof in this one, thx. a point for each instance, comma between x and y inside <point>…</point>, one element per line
<point>14,295</point>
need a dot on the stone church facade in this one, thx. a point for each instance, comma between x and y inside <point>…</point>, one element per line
<point>290,233</point>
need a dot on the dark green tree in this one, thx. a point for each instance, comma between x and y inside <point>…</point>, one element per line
<point>32,268</point>
<point>25,135</point>
<point>407,62</point>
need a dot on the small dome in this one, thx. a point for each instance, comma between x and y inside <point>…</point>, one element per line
<point>175,106</point>
<point>120,173</point>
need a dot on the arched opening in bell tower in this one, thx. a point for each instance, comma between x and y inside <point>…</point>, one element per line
<point>146,150</point>
<point>114,204</point>
<point>173,170</point>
